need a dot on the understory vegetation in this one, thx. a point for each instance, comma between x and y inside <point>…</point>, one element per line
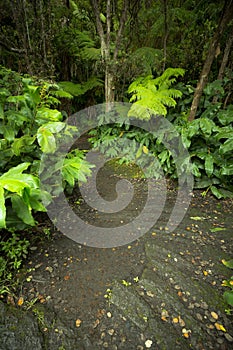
<point>167,59</point>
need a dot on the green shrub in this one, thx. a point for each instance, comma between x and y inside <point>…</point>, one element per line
<point>30,126</point>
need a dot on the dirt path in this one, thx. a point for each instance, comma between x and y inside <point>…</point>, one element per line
<point>162,291</point>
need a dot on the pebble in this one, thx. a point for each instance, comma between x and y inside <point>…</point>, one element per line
<point>199,317</point>
<point>228,337</point>
<point>197,305</point>
<point>49,269</point>
<point>102,335</point>
<point>204,305</point>
<point>111,331</point>
<point>220,340</point>
<point>148,343</point>
<point>177,286</point>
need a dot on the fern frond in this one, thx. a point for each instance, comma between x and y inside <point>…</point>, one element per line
<point>147,58</point>
<point>90,53</point>
<point>62,94</point>
<point>84,39</point>
<point>152,96</point>
<point>169,77</point>
<point>71,88</point>
<point>81,89</point>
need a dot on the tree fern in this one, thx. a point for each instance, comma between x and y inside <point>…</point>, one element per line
<point>80,89</point>
<point>147,59</point>
<point>154,95</point>
<point>87,47</point>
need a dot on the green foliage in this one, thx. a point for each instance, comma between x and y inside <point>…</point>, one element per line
<point>76,89</point>
<point>152,96</point>
<point>228,295</point>
<point>146,60</point>
<point>208,139</point>
<point>30,126</point>
<point>13,251</point>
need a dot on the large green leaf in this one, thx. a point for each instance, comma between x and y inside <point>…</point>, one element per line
<point>227,146</point>
<point>35,199</point>
<point>227,170</point>
<point>8,133</point>
<point>228,263</point>
<point>225,116</point>
<point>209,165</point>
<point>225,133</point>
<point>228,296</point>
<point>45,113</point>
<point>2,209</point>
<point>15,170</point>
<point>195,170</point>
<point>22,210</point>
<point>206,125</point>
<point>46,140</point>
<point>54,127</point>
<point>216,192</point>
<point>22,144</point>
<point>13,185</point>
<point>13,180</point>
<point>16,99</point>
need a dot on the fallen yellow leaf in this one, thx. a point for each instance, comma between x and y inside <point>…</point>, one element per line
<point>20,301</point>
<point>175,320</point>
<point>186,335</point>
<point>181,322</point>
<point>180,294</point>
<point>163,318</point>
<point>214,315</point>
<point>220,327</point>
<point>78,323</point>
<point>96,323</point>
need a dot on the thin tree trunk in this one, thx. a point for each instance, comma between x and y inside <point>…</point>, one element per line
<point>224,60</point>
<point>43,33</point>
<point>105,40</point>
<point>165,34</point>
<point>226,55</point>
<point>227,15</point>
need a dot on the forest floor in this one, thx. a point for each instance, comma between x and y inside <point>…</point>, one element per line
<point>162,291</point>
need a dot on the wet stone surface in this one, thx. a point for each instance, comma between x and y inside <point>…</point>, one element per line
<point>162,291</point>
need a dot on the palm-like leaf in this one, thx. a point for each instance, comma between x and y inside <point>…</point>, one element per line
<point>154,95</point>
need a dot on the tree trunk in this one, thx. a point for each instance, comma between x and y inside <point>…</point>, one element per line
<point>109,86</point>
<point>224,60</point>
<point>109,60</point>
<point>227,15</point>
<point>165,34</point>
<point>226,55</point>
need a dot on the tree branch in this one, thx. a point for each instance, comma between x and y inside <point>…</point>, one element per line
<point>121,27</point>
<point>99,27</point>
<point>12,49</point>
